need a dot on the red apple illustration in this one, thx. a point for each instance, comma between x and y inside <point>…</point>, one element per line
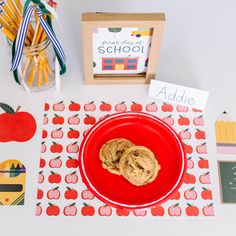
<point>70,193</point>
<point>188,149</point>
<point>175,196</point>
<point>55,162</point>
<point>168,120</point>
<point>199,134</point>
<point>15,125</point>
<point>151,107</point>
<point>190,163</point>
<point>72,133</point>
<point>72,162</point>
<point>191,210</point>
<point>203,163</point>
<point>57,133</point>
<point>136,107</point>
<point>56,148</point>
<point>38,211</point>
<point>58,120</point>
<point>89,120</point>
<point>185,134</point>
<point>42,163</point>
<point>52,210</point>
<point>190,194</point>
<point>167,107</point>
<point>105,106</point>
<point>45,119</point>
<point>74,106</point>
<point>206,194</point>
<point>87,210</point>
<point>181,108</point>
<point>39,193</point>
<point>86,194</point>
<point>208,210</point>
<point>198,121</point>
<point>46,106</point>
<point>205,178</point>
<point>175,210</point>
<point>140,212</point>
<point>189,179</point>
<point>44,134</point>
<point>71,178</point>
<point>72,148</point>
<point>59,106</point>
<point>74,120</point>
<point>43,147</point>
<point>54,178</point>
<point>70,210</point>
<point>202,148</point>
<point>121,107</point>
<point>122,212</point>
<point>158,211</point>
<point>41,177</point>
<point>90,106</point>
<point>183,120</point>
<point>104,210</point>
<point>196,110</point>
<point>53,193</point>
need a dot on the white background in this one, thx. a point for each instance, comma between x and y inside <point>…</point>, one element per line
<point>198,50</point>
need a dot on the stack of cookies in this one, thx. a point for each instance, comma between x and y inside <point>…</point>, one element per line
<point>137,164</point>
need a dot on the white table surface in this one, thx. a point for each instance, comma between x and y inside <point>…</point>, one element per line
<point>198,50</point>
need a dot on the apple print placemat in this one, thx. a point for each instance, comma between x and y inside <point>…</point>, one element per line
<point>61,191</point>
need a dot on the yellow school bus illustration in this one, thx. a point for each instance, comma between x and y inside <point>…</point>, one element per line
<point>142,32</point>
<point>12,182</point>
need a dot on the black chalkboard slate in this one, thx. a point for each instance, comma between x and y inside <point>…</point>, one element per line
<point>227,171</point>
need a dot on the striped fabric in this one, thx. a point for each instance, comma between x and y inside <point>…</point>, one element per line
<point>21,36</point>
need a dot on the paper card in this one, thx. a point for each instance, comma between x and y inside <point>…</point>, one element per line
<point>12,183</point>
<point>172,93</point>
<point>227,171</point>
<point>225,131</point>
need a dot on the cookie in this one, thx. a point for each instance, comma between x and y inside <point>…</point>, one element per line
<point>139,165</point>
<point>111,152</point>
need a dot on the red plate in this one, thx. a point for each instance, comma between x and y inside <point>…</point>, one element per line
<point>142,129</point>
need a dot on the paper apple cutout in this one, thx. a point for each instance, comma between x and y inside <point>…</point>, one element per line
<point>158,211</point>
<point>72,162</point>
<point>46,107</point>
<point>190,163</point>
<point>40,177</point>
<point>188,148</point>
<point>72,148</point>
<point>59,106</point>
<point>71,178</point>
<point>38,211</point>
<point>208,210</point>
<point>39,193</point>
<point>87,210</point>
<point>45,119</point>
<point>169,120</point>
<point>105,106</point>
<point>198,121</point>
<point>105,210</point>
<point>74,106</point>
<point>58,120</point>
<point>54,178</point>
<point>181,108</point>
<point>57,134</point>
<point>199,134</point>
<point>175,210</point>
<point>44,134</point>
<point>43,147</point>
<point>205,178</point>
<point>185,134</point>
<point>70,193</point>
<point>206,194</point>
<point>56,148</point>
<point>203,163</point>
<point>190,194</point>
<point>15,125</point>
<point>175,196</point>
<point>52,210</point>
<point>151,107</point>
<point>201,149</point>
<point>90,106</point>
<point>42,163</point>
<point>53,193</point>
<point>74,120</point>
<point>140,212</point>
<point>191,210</point>
<point>55,162</point>
<point>70,210</point>
<point>72,133</point>
<point>89,120</point>
<point>136,107</point>
<point>189,179</point>
<point>86,194</point>
<point>121,107</point>
<point>122,212</point>
<point>167,107</point>
<point>183,120</point>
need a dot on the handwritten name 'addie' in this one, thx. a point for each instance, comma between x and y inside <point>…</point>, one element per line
<point>178,96</point>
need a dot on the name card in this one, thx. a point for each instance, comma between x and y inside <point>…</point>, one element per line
<point>172,93</point>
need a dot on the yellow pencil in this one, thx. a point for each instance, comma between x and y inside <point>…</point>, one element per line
<point>13,9</point>
<point>32,75</point>
<point>19,6</point>
<point>6,25</point>
<point>40,74</point>
<point>8,19</point>
<point>7,33</point>
<point>9,13</point>
<point>45,75</point>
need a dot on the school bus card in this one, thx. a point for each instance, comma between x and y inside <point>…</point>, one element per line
<point>121,48</point>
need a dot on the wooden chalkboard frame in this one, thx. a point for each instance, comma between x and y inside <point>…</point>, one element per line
<point>147,20</point>
<point>220,180</point>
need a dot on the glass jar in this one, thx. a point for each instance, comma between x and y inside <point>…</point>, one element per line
<point>36,71</point>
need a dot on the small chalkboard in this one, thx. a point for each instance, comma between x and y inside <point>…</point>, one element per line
<point>227,172</point>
